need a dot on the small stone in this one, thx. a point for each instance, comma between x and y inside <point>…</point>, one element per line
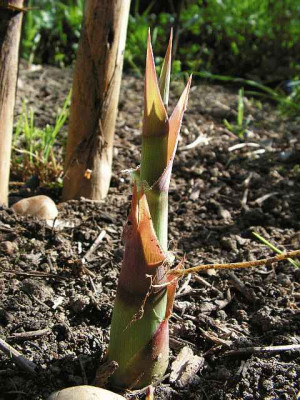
<point>84,393</point>
<point>41,207</point>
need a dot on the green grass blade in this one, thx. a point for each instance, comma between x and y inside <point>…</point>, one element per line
<point>240,116</point>
<point>271,246</point>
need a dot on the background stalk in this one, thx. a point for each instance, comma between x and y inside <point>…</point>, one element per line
<point>10,31</point>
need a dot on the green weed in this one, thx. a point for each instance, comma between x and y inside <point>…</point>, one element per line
<point>289,104</point>
<point>51,31</point>
<point>234,37</point>
<point>33,147</point>
<point>271,246</point>
<point>239,36</point>
<point>138,25</point>
<point>241,124</point>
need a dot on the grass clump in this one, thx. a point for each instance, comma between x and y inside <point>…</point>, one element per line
<point>241,124</point>
<point>34,148</point>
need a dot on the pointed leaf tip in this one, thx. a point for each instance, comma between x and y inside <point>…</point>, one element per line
<point>165,74</point>
<point>155,115</point>
<point>162,184</point>
<point>176,119</point>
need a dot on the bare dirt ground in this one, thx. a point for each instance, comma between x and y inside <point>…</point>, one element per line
<point>218,197</point>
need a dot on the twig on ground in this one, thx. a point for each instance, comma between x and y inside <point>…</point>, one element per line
<point>176,343</point>
<point>94,246</point>
<point>29,335</point>
<point>214,324</point>
<point>238,284</point>
<point>246,182</point>
<point>271,246</point>
<point>176,316</point>
<point>37,300</point>
<point>93,285</point>
<point>245,197</point>
<point>255,153</point>
<point>263,198</point>
<point>189,291</point>
<point>246,185</point>
<point>37,274</point>
<point>85,270</point>
<point>241,145</point>
<point>207,284</point>
<point>227,131</point>
<point>52,269</point>
<point>201,139</point>
<point>84,199</point>
<point>215,339</point>
<point>191,317</point>
<point>246,264</point>
<point>185,285</point>
<point>213,349</point>
<point>17,357</point>
<point>262,349</point>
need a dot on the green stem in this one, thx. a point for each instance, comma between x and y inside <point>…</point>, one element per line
<point>158,205</point>
<point>153,163</point>
<point>131,332</point>
<point>137,320</point>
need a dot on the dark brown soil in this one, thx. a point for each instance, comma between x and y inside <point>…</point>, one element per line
<point>216,202</point>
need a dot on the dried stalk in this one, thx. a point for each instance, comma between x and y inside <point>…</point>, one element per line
<point>246,264</point>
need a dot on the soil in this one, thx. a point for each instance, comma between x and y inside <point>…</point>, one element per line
<point>218,197</point>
